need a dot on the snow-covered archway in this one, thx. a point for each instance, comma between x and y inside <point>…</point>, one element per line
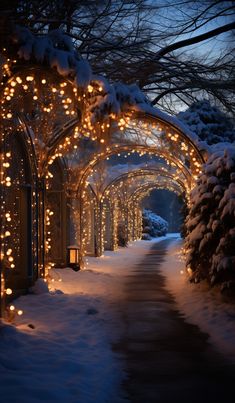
<point>50,96</point>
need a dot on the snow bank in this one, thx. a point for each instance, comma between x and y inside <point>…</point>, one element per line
<point>59,352</point>
<point>200,304</point>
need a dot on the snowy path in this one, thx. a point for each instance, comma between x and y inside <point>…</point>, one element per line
<point>167,359</point>
<point>60,350</point>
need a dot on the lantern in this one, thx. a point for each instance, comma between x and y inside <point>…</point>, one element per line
<point>73,257</point>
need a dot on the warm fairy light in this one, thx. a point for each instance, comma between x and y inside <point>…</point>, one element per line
<point>20,312</point>
<point>8,291</point>
<point>51,110</point>
<point>12,308</point>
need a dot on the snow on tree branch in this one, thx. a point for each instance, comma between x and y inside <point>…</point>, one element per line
<point>55,50</point>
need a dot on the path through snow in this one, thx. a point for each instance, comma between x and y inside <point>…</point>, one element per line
<point>166,358</point>
<point>65,354</point>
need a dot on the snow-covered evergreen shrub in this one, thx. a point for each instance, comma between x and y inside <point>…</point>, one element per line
<point>153,224</point>
<point>208,122</point>
<point>211,221</point>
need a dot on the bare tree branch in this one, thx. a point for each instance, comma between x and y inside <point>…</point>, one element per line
<point>196,39</point>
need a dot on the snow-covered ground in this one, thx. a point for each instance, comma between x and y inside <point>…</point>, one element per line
<point>60,349</point>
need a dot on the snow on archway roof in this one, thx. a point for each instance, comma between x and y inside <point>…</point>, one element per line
<point>56,50</point>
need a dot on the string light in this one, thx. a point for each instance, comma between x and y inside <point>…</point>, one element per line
<point>54,107</point>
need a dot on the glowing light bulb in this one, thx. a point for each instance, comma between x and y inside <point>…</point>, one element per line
<point>8,291</point>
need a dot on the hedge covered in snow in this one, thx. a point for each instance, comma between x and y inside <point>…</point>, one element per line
<point>153,225</point>
<point>211,222</point>
<point>208,122</point>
